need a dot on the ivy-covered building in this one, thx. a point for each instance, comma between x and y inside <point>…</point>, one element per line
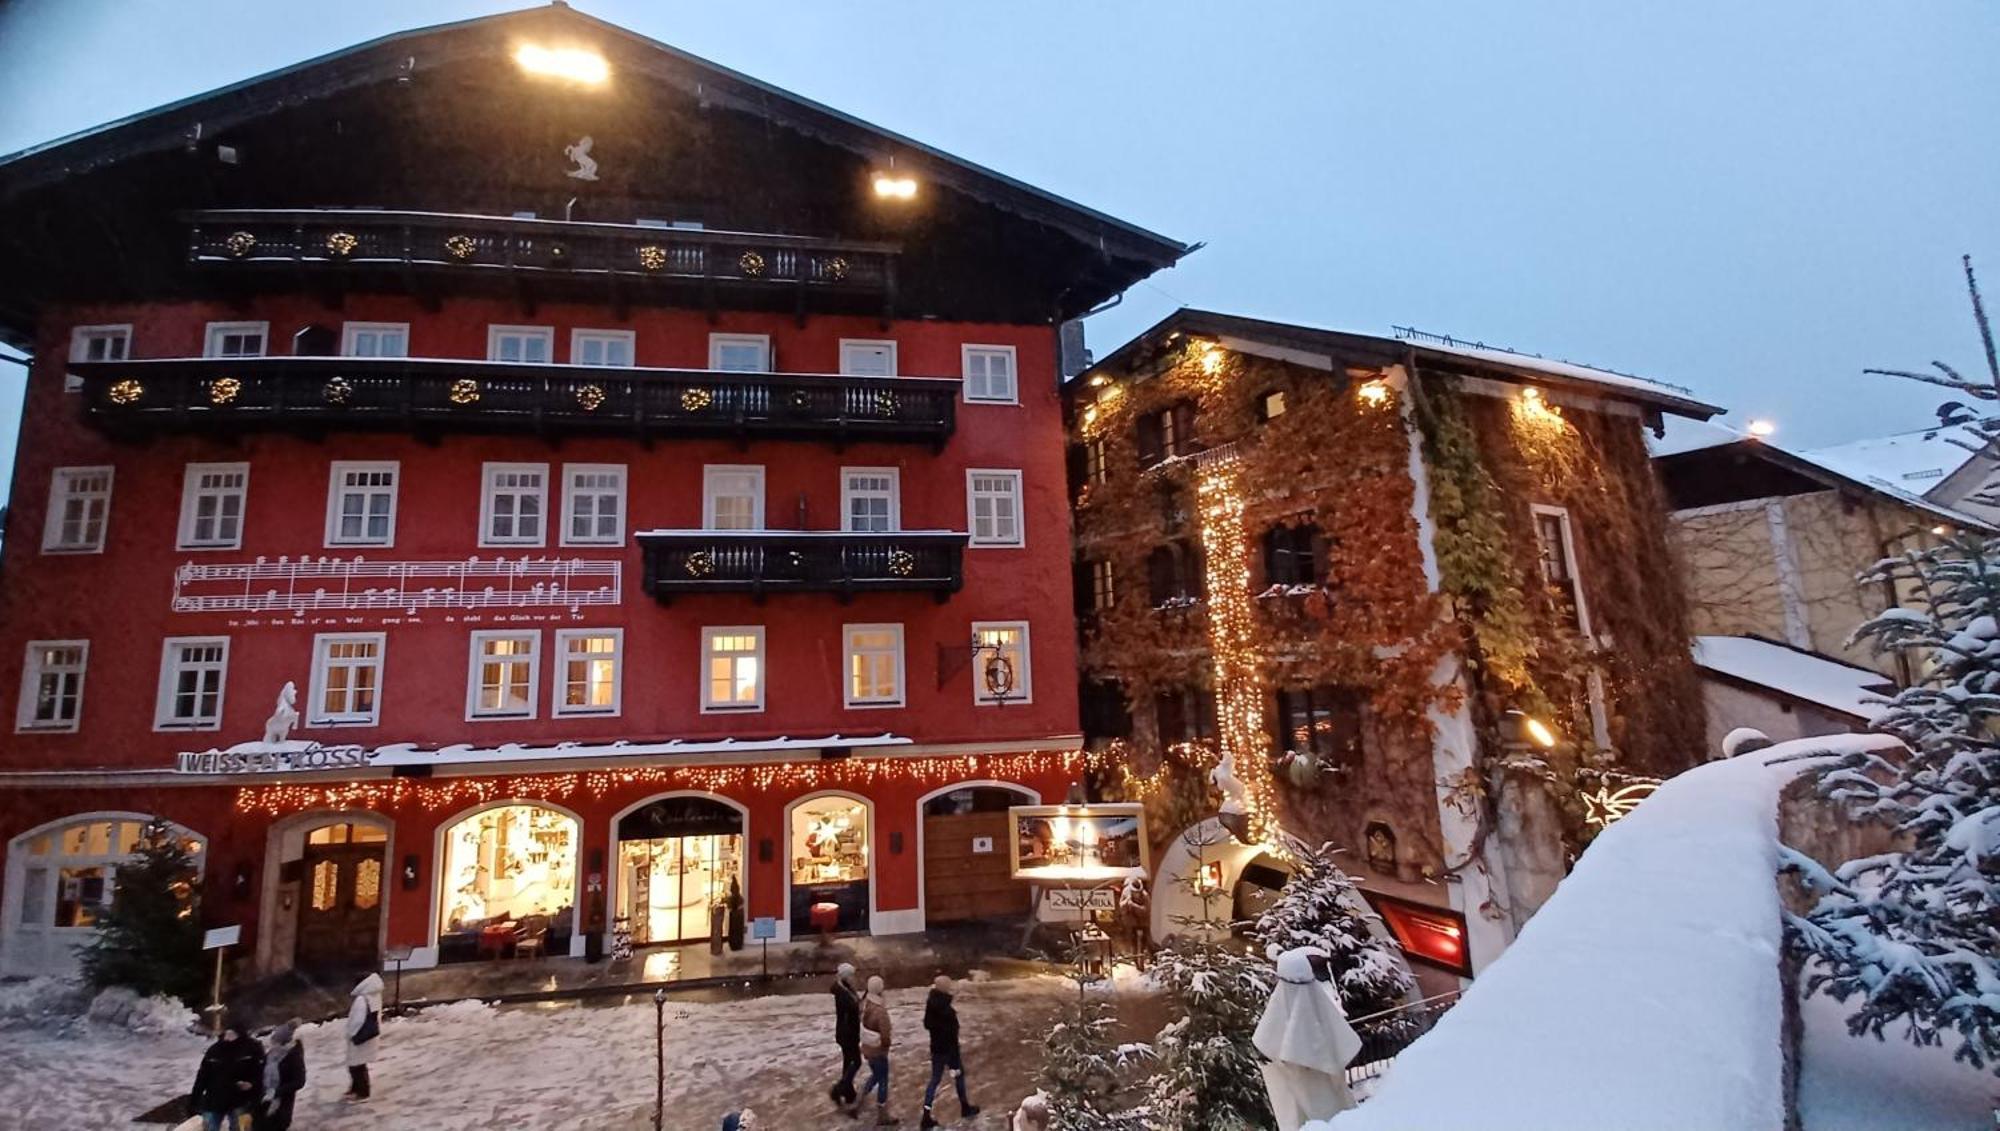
<point>1418,591</point>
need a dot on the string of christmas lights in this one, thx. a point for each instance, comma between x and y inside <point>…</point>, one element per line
<point>1232,626</point>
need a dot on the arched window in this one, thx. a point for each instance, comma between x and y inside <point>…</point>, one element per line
<point>61,878</point>
<point>509,877</point>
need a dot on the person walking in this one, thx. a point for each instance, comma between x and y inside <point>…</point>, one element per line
<point>875,1042</point>
<point>364,1032</point>
<point>846,1034</point>
<point>284,1075</point>
<point>226,1086</point>
<point>941,1019</point>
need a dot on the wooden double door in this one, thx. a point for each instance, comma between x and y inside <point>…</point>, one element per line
<point>340,906</point>
<point>967,870</point>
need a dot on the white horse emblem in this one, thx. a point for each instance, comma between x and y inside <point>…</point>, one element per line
<point>586,165</point>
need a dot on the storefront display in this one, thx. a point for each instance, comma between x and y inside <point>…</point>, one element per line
<point>680,860</point>
<point>830,865</point>
<point>509,879</point>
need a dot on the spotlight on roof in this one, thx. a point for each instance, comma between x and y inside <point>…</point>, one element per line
<point>576,64</point>
<point>895,186</point>
<point>1761,428</point>
<point>1529,729</point>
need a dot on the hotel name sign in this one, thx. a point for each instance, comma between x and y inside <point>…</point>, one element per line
<point>290,757</point>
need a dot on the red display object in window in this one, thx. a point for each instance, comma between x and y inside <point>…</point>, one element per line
<point>1428,934</point>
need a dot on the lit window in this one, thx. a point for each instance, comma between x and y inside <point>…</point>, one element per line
<point>733,669</point>
<point>869,498</point>
<point>874,665</point>
<point>52,685</point>
<point>1271,405</point>
<point>593,504</point>
<point>1000,667</point>
<point>993,507</point>
<point>1095,467</point>
<point>96,343</point>
<point>867,358</point>
<point>512,506</point>
<point>375,339</point>
<point>589,670</point>
<point>532,344</point>
<point>732,497</point>
<point>347,680</point>
<point>989,374</point>
<point>740,353</point>
<point>236,339</point>
<point>361,504</point>
<point>212,501</point>
<point>504,670</point>
<point>601,347</point>
<point>79,509</point>
<point>191,677</point>
<point>1103,586</point>
<point>68,874</point>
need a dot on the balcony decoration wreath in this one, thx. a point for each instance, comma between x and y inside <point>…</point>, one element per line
<point>836,269</point>
<point>752,264</point>
<point>224,391</point>
<point>337,391</point>
<point>652,257</point>
<point>902,563</point>
<point>464,391</point>
<point>127,391</point>
<point>700,564</point>
<point>239,244</point>
<point>886,403</point>
<point>696,400</point>
<point>460,247</point>
<point>590,398</point>
<point>801,400</point>
<point>340,245</point>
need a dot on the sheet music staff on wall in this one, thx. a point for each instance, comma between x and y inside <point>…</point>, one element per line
<point>309,584</point>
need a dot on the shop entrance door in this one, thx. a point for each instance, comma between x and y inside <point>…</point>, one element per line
<point>340,906</point>
<point>676,860</point>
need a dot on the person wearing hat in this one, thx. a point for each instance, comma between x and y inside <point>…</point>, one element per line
<point>284,1075</point>
<point>875,1043</point>
<point>226,1084</point>
<point>846,1034</point>
<point>941,1019</point>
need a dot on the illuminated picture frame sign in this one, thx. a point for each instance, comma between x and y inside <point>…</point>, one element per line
<point>1433,935</point>
<point>1054,845</point>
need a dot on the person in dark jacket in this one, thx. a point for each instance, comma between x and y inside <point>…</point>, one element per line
<point>846,1034</point>
<point>284,1075</point>
<point>941,1019</point>
<point>230,1080</point>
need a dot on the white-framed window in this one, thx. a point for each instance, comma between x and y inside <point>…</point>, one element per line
<point>1103,585</point>
<point>375,339</point>
<point>79,510</point>
<point>589,670</point>
<point>192,672</point>
<point>732,497</point>
<point>601,347</point>
<point>514,504</point>
<point>993,507</point>
<point>96,343</point>
<point>521,343</point>
<point>1555,545</point>
<point>68,877</point>
<point>867,357</point>
<point>1005,641</point>
<point>52,685</point>
<point>593,504</point>
<point>870,499</point>
<point>506,668</point>
<point>740,353</point>
<point>346,679</point>
<point>874,662</point>
<point>732,668</point>
<point>236,339</point>
<point>989,374</point>
<point>213,496</point>
<point>361,503</point>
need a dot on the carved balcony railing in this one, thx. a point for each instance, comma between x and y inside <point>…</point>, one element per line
<point>760,562</point>
<point>428,395</point>
<point>333,240</point>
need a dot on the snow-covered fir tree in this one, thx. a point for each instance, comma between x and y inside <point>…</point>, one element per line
<point>1207,1076</point>
<point>1085,1072</point>
<point>1320,907</point>
<point>148,937</point>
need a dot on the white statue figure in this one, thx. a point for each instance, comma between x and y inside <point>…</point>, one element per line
<point>586,165</point>
<point>1225,779</point>
<point>284,716</point>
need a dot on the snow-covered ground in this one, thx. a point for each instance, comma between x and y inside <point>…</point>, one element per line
<point>569,1068</point>
<point>1862,1084</point>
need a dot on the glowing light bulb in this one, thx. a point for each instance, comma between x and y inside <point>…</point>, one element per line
<point>1761,428</point>
<point>573,63</point>
<point>895,186</point>
<point>1373,393</point>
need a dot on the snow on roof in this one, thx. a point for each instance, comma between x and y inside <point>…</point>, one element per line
<point>1685,435</point>
<point>1564,369</point>
<point>1798,674</point>
<point>1912,461</point>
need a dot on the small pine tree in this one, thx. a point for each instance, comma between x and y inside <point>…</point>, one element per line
<point>1320,907</point>
<point>1208,1077</point>
<point>1084,1071</point>
<point>148,938</point>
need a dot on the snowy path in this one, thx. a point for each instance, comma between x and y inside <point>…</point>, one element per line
<point>467,1066</point>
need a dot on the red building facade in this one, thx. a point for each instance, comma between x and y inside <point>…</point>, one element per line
<point>462,579</point>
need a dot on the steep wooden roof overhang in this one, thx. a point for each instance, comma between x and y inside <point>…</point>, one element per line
<point>1716,458</point>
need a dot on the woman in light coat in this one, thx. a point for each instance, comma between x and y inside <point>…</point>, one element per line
<point>364,1028</point>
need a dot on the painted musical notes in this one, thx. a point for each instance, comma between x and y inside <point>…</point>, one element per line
<point>309,584</point>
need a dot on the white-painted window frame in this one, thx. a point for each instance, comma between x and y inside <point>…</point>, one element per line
<point>973,496</point>
<point>213,334</point>
<point>717,342</point>
<point>848,493</point>
<point>33,671</point>
<point>711,473</point>
<point>1569,552</point>
<point>1024,682</point>
<point>351,331</point>
<point>871,345</point>
<point>80,339</point>
<point>975,349</point>
<point>474,684</point>
<point>60,493</point>
<point>490,491</point>
<point>171,667</point>
<point>192,493</point>
<point>335,492</point>
<point>709,706</point>
<point>560,689</point>
<point>849,652</point>
<point>581,336</point>
<point>323,663</point>
<point>570,473</point>
<point>496,334</point>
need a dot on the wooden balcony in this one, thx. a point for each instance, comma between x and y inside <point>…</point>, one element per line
<point>619,262</point>
<point>429,396</point>
<point>761,562</point>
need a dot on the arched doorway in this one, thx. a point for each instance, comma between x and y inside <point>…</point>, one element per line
<point>507,881</point>
<point>341,872</point>
<point>60,878</point>
<point>963,854</point>
<point>829,863</point>
<point>678,855</point>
